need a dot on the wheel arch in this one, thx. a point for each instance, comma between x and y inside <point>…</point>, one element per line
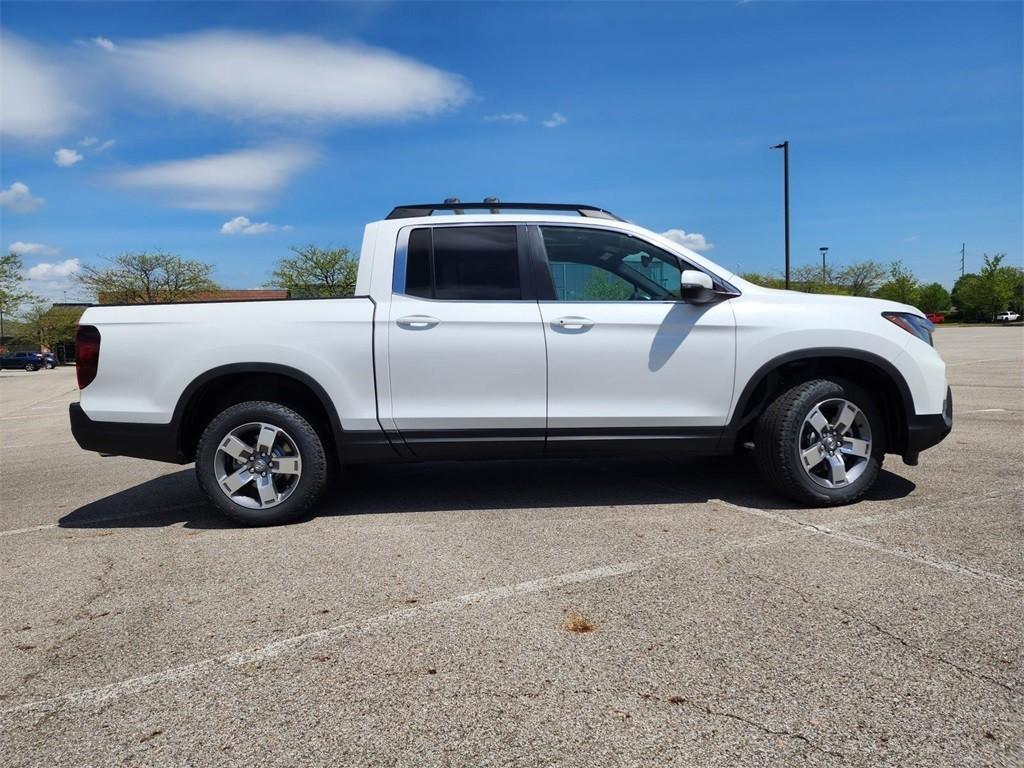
<point>215,389</point>
<point>874,373</point>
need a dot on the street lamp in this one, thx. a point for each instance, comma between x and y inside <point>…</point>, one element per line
<point>784,146</point>
<point>824,252</point>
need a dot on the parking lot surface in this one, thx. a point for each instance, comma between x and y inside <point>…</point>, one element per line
<point>598,613</point>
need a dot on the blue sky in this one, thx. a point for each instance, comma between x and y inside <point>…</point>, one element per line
<point>905,122</point>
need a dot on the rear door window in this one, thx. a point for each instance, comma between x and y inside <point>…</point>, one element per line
<point>470,263</point>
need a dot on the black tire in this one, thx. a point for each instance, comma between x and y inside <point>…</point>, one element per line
<point>29,367</point>
<point>310,447</point>
<point>777,442</point>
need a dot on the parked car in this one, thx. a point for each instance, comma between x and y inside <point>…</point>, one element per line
<point>536,330</point>
<point>1008,316</point>
<point>28,361</point>
<point>935,318</point>
<point>50,360</point>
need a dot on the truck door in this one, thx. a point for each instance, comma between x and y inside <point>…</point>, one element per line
<point>627,359</point>
<point>465,342</point>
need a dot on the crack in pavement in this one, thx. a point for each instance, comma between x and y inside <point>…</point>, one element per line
<point>881,630</point>
<point>707,710</point>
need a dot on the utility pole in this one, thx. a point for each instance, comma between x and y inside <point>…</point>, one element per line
<point>824,252</point>
<point>963,253</point>
<point>784,146</point>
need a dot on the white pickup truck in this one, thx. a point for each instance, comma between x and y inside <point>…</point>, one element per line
<point>522,330</point>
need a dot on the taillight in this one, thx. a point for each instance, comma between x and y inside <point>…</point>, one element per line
<point>87,354</point>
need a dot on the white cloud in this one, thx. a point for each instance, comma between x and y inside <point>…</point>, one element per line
<point>66,157</point>
<point>51,273</point>
<point>240,180</point>
<point>692,240</point>
<point>32,249</point>
<point>556,120</point>
<point>18,198</point>
<point>911,239</point>
<point>36,99</point>
<point>95,146</point>
<point>104,42</point>
<point>254,76</point>
<point>240,225</point>
<point>507,117</point>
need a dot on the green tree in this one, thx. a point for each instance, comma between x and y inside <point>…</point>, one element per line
<point>49,325</point>
<point>1014,277</point>
<point>12,289</point>
<point>316,272</point>
<point>809,279</point>
<point>901,286</point>
<point>967,296</point>
<point>862,278</point>
<point>602,286</point>
<point>765,280</point>
<point>933,298</point>
<point>146,278</point>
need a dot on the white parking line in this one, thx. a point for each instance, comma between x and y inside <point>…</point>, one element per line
<point>948,566</point>
<point>93,696</point>
<point>987,360</point>
<point>99,521</point>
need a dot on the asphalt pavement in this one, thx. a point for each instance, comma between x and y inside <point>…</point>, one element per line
<point>523,613</point>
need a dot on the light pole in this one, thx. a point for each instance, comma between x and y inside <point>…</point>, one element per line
<point>824,253</point>
<point>784,146</point>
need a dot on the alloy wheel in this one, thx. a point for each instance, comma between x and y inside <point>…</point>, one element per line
<point>257,465</point>
<point>835,443</point>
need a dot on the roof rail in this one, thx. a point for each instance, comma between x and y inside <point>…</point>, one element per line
<point>494,206</point>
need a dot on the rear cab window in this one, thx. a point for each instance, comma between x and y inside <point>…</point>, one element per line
<point>463,263</point>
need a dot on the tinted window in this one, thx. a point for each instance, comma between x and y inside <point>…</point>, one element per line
<point>590,264</point>
<point>467,263</point>
<point>417,264</point>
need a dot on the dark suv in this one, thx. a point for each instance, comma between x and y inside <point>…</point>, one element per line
<point>28,361</point>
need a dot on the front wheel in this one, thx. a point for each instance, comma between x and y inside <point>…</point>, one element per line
<point>822,442</point>
<point>261,463</point>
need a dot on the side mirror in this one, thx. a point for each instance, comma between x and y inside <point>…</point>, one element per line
<point>696,287</point>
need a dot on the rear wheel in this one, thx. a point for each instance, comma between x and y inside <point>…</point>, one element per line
<point>261,463</point>
<point>821,442</point>
<point>30,366</point>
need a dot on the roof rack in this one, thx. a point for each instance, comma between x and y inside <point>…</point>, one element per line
<point>495,206</point>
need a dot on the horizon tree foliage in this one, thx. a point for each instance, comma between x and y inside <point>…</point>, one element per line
<point>315,272</point>
<point>933,298</point>
<point>990,291</point>
<point>862,278</point>
<point>902,285</point>
<point>48,325</point>
<point>12,291</point>
<point>145,277</point>
<point>857,279</point>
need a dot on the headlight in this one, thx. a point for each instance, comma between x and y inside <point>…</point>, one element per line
<point>915,324</point>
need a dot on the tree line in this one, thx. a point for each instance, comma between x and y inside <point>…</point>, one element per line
<point>148,277</point>
<point>975,296</point>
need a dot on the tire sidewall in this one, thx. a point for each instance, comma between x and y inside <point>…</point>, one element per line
<point>826,390</point>
<point>307,441</point>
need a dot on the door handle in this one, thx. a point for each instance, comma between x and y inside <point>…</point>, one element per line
<point>417,322</point>
<point>572,323</point>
